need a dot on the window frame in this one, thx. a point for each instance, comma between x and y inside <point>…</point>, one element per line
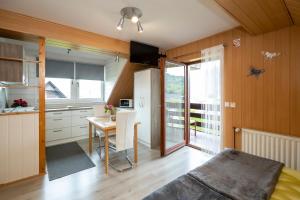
<point>75,93</point>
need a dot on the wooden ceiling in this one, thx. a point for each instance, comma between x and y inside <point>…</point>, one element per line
<point>261,16</point>
<point>294,9</point>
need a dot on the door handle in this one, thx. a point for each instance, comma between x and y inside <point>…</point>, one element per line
<point>57,131</point>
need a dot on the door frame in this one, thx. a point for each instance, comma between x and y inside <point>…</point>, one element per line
<point>163,150</point>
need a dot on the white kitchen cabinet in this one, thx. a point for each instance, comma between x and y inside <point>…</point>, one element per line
<point>147,105</point>
<point>58,122</point>
<point>78,131</point>
<point>67,126</point>
<point>19,147</point>
<point>58,134</point>
<point>58,114</point>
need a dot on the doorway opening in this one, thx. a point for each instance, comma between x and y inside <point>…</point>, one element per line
<point>205,110</point>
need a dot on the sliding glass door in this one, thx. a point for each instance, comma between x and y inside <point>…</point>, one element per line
<point>173,106</point>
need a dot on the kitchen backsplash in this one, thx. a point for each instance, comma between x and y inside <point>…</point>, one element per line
<point>30,95</point>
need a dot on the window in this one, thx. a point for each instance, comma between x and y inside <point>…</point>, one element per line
<point>58,88</point>
<point>90,89</point>
<point>69,81</point>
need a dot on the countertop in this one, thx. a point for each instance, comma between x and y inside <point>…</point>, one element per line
<point>18,113</point>
<point>27,110</point>
<point>66,109</point>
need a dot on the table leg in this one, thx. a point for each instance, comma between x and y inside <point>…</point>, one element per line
<point>90,137</point>
<point>106,152</point>
<point>135,144</point>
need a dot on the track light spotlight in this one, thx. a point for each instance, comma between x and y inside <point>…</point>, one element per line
<point>133,14</point>
<point>139,26</point>
<point>120,24</point>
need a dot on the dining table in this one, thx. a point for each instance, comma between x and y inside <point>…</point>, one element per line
<point>106,125</point>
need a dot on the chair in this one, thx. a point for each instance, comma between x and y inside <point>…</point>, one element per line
<point>123,140</point>
<point>99,112</point>
<point>101,135</point>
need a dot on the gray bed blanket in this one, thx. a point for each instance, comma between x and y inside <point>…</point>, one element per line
<point>239,175</point>
<point>185,188</point>
<point>229,175</point>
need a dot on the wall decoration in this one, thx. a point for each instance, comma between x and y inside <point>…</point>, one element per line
<point>270,55</point>
<point>253,71</point>
<point>237,42</point>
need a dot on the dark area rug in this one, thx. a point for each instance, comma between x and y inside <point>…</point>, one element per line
<point>66,159</point>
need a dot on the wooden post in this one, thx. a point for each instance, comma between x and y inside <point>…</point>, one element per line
<point>106,152</point>
<point>42,145</point>
<point>162,62</point>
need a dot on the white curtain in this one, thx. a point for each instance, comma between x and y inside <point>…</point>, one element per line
<point>206,89</point>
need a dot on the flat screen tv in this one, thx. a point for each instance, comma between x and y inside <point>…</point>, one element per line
<point>143,53</point>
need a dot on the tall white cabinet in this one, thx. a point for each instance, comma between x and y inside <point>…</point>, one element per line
<point>147,105</point>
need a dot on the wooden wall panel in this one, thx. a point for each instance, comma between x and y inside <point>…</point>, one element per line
<point>269,85</point>
<point>282,81</point>
<point>237,81</point>
<point>258,16</point>
<point>268,103</point>
<point>253,91</point>
<point>123,88</point>
<point>295,81</point>
<point>227,88</point>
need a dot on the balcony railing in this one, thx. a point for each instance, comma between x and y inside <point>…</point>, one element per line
<point>204,117</point>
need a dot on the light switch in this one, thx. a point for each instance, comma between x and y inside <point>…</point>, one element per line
<point>232,105</point>
<point>227,104</point>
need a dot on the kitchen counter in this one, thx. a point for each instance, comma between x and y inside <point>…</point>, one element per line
<point>31,110</point>
<point>66,109</point>
<point>18,111</point>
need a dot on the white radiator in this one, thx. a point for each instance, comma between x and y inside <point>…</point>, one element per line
<point>281,148</point>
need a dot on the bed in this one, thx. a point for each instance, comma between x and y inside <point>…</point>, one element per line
<point>234,175</point>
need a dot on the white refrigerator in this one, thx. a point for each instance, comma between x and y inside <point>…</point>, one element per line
<point>147,105</point>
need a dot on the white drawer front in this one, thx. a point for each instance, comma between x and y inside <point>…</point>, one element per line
<point>80,131</point>
<point>86,112</point>
<point>79,120</point>
<point>58,122</point>
<point>58,134</point>
<point>58,114</point>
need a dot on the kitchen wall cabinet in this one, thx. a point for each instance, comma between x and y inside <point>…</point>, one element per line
<point>11,65</point>
<point>19,147</point>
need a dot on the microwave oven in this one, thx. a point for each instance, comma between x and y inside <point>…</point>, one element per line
<point>126,103</point>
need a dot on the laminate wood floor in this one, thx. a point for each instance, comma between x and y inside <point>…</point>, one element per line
<point>151,173</point>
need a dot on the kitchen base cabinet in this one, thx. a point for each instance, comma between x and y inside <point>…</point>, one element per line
<point>67,126</point>
<point>19,147</point>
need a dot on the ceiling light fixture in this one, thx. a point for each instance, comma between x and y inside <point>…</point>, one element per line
<point>139,26</point>
<point>120,24</point>
<point>133,14</point>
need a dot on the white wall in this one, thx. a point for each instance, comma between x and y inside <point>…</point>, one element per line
<point>112,72</point>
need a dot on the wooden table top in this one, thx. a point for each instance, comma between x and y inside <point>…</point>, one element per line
<point>104,123</point>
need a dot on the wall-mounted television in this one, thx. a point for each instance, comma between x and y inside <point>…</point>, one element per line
<point>143,53</point>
